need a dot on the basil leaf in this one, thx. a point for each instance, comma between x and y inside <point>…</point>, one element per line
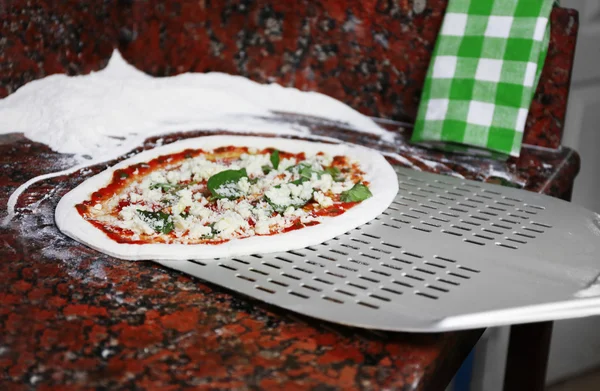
<point>212,233</point>
<point>297,167</point>
<point>333,171</point>
<point>306,172</point>
<point>266,169</point>
<point>359,192</point>
<point>275,159</point>
<point>161,222</point>
<point>218,184</point>
<point>335,174</point>
<point>299,181</point>
<point>184,215</point>
<point>296,202</point>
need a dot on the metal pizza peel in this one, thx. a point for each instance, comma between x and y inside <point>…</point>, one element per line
<point>447,254</point>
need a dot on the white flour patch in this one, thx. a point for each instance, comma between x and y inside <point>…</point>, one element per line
<point>109,112</point>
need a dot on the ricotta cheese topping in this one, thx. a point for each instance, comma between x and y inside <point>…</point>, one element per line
<point>256,193</point>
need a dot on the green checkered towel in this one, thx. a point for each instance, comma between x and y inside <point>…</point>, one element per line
<point>485,66</point>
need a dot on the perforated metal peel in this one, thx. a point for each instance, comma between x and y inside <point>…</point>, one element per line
<point>447,254</point>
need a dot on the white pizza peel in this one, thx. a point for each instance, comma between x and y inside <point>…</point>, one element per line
<point>447,254</point>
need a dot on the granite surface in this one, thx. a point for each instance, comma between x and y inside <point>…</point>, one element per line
<point>372,55</point>
<point>72,318</point>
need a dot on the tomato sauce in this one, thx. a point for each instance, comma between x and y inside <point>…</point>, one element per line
<point>125,176</point>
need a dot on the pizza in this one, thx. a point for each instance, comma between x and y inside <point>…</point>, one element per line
<point>232,192</point>
<point>227,195</point>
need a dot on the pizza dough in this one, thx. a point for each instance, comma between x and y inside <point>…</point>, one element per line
<point>381,177</point>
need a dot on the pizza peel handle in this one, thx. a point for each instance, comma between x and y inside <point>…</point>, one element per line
<point>447,254</point>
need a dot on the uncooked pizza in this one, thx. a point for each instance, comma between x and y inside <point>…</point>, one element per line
<point>227,195</point>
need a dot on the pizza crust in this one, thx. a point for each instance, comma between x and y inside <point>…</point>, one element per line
<point>382,179</point>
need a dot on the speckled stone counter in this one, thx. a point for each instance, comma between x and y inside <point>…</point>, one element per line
<point>71,318</point>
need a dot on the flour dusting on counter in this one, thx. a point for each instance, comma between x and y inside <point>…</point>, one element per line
<point>107,113</point>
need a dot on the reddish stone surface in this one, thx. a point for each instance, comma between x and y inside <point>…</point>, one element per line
<point>43,37</point>
<point>72,318</point>
<point>372,55</point>
<point>548,110</point>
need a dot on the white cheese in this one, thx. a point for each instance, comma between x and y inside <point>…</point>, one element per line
<point>197,209</point>
<point>182,224</point>
<point>278,222</point>
<point>322,199</point>
<point>289,211</point>
<point>273,178</point>
<point>132,221</point>
<point>197,231</point>
<point>307,192</point>
<point>229,190</point>
<point>243,185</point>
<point>324,183</point>
<point>286,163</point>
<point>339,187</point>
<point>295,190</point>
<point>325,159</point>
<point>185,197</point>
<point>180,175</point>
<point>157,177</point>
<point>185,200</point>
<point>281,195</point>
<point>254,163</point>
<point>262,211</point>
<point>288,194</point>
<point>244,209</point>
<point>314,162</point>
<point>204,169</point>
<point>264,227</point>
<point>225,204</point>
<point>134,197</point>
<point>153,195</point>
<point>292,212</point>
<point>178,208</point>
<point>230,223</point>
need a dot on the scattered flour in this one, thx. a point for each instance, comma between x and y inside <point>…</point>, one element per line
<point>39,227</point>
<point>109,112</point>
